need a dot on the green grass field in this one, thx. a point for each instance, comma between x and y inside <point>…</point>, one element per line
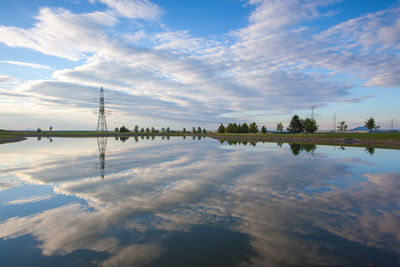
<point>360,136</point>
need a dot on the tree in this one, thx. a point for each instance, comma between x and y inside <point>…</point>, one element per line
<point>136,128</point>
<point>116,129</point>
<point>51,128</point>
<point>162,129</point>
<point>39,130</point>
<point>153,130</point>
<point>253,128</point>
<point>263,129</point>
<point>147,130</point>
<point>239,128</point>
<point>194,130</point>
<point>370,124</point>
<point>184,130</point>
<point>279,127</point>
<point>296,125</point>
<point>199,130</point>
<point>221,128</point>
<point>231,128</point>
<point>168,130</point>
<point>204,131</point>
<point>123,129</point>
<point>142,130</point>
<point>245,128</point>
<point>342,126</point>
<point>310,125</point>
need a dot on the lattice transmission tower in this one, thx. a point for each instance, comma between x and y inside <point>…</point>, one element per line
<point>101,122</point>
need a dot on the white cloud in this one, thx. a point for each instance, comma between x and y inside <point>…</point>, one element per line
<point>4,79</point>
<point>58,31</point>
<point>27,64</point>
<point>134,9</point>
<point>274,64</point>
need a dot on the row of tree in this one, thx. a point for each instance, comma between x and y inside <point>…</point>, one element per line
<point>241,128</point>
<point>297,125</point>
<point>163,130</point>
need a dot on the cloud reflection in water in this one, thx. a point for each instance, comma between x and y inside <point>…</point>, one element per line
<point>266,206</point>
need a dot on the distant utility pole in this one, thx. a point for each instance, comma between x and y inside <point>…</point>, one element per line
<point>312,112</point>
<point>101,122</point>
<point>334,122</point>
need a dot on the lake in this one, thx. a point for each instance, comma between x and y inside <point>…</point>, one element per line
<point>190,202</point>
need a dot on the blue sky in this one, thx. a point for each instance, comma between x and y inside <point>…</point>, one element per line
<point>188,63</point>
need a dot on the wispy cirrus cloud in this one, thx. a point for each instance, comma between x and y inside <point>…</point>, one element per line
<point>277,63</point>
<point>134,9</point>
<point>58,32</point>
<point>26,64</point>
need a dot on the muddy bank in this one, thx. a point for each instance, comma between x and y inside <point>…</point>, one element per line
<point>4,140</point>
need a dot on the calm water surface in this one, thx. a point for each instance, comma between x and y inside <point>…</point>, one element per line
<point>185,202</point>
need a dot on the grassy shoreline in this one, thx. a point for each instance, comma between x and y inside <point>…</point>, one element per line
<point>381,140</point>
<point>9,137</point>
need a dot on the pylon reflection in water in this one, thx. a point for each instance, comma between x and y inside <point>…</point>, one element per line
<point>102,144</point>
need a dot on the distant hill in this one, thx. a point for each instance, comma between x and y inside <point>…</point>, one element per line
<point>360,128</point>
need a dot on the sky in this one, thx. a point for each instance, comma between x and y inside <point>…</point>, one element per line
<point>183,63</point>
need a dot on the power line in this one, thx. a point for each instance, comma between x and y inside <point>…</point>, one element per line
<point>334,122</point>
<point>312,112</point>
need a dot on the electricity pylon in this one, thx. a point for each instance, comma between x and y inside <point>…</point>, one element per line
<point>101,122</point>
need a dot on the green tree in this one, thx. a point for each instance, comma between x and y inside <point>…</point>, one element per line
<point>245,128</point>
<point>231,128</point>
<point>199,130</point>
<point>342,126</point>
<point>263,129</point>
<point>116,129</point>
<point>370,124</point>
<point>194,130</point>
<point>296,125</point>
<point>153,130</point>
<point>51,128</point>
<point>147,130</point>
<point>253,128</point>
<point>239,128</point>
<point>279,127</point>
<point>142,130</point>
<point>123,129</point>
<point>204,131</point>
<point>310,125</point>
<point>221,128</point>
<point>39,130</point>
<point>168,130</point>
<point>136,128</point>
<point>184,130</point>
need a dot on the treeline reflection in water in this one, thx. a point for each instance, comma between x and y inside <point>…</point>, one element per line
<point>295,148</point>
